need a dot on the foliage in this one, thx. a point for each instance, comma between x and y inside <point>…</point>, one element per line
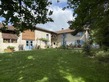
<point>25,14</point>
<point>105,48</point>
<point>102,56</point>
<point>70,46</point>
<point>36,47</point>
<point>93,14</point>
<point>87,49</point>
<point>51,65</point>
<point>44,39</point>
<point>62,47</point>
<point>11,47</point>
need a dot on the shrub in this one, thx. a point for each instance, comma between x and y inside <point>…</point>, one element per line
<point>38,47</point>
<point>44,39</point>
<point>87,49</point>
<point>70,46</point>
<point>47,46</point>
<point>10,47</point>
<point>63,47</point>
<point>102,56</point>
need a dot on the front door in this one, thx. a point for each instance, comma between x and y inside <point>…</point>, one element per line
<point>29,45</point>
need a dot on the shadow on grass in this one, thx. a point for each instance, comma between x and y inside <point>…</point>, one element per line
<point>51,66</point>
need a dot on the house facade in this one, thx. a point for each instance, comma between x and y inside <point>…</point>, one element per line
<point>34,39</point>
<point>64,37</point>
<point>39,38</point>
<point>8,37</point>
<point>27,40</point>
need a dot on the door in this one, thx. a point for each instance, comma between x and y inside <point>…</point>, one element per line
<point>29,45</point>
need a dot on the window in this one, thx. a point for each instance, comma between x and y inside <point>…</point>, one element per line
<point>64,35</point>
<point>13,41</point>
<point>26,43</point>
<point>78,41</point>
<point>6,40</point>
<point>9,40</point>
<point>31,43</point>
<point>47,36</point>
<point>79,34</point>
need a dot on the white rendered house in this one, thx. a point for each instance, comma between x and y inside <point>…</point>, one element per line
<point>29,40</point>
<point>26,40</point>
<point>64,37</point>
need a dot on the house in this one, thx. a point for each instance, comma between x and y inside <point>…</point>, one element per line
<point>26,40</point>
<point>39,38</point>
<point>8,37</point>
<point>64,37</point>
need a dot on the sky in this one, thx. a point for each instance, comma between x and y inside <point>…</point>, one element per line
<point>60,17</point>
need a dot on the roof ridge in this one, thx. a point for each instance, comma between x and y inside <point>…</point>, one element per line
<point>68,30</point>
<point>11,27</point>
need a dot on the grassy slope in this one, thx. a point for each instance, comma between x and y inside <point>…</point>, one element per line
<point>51,66</point>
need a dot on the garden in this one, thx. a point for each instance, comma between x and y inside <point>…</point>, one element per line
<point>52,65</point>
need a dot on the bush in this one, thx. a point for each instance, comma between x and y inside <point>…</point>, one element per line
<point>102,56</point>
<point>37,47</point>
<point>87,49</point>
<point>44,39</point>
<point>63,47</point>
<point>10,47</point>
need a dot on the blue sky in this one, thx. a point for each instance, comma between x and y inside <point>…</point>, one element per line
<point>59,16</point>
<point>1,19</point>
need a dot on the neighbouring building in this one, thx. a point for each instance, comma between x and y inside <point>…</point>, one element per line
<point>64,37</point>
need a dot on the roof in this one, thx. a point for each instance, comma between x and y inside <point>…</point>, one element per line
<point>42,29</point>
<point>9,36</point>
<point>9,27</point>
<point>38,28</point>
<point>65,31</point>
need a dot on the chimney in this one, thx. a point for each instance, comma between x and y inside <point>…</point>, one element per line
<point>62,28</point>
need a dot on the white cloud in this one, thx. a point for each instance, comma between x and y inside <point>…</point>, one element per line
<point>60,17</point>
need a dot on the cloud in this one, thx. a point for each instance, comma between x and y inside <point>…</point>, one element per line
<point>60,17</point>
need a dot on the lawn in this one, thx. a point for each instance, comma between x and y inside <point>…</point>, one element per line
<point>51,65</point>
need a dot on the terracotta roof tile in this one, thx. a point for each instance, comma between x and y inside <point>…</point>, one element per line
<point>64,31</point>
<point>42,29</point>
<point>9,36</point>
<point>1,25</point>
<point>9,27</point>
<point>37,28</point>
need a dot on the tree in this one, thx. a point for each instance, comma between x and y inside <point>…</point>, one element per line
<point>93,14</point>
<point>25,14</point>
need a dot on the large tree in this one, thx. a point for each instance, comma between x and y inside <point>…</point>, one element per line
<point>25,14</point>
<point>93,14</point>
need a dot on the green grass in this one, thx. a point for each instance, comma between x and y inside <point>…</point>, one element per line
<point>51,65</point>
